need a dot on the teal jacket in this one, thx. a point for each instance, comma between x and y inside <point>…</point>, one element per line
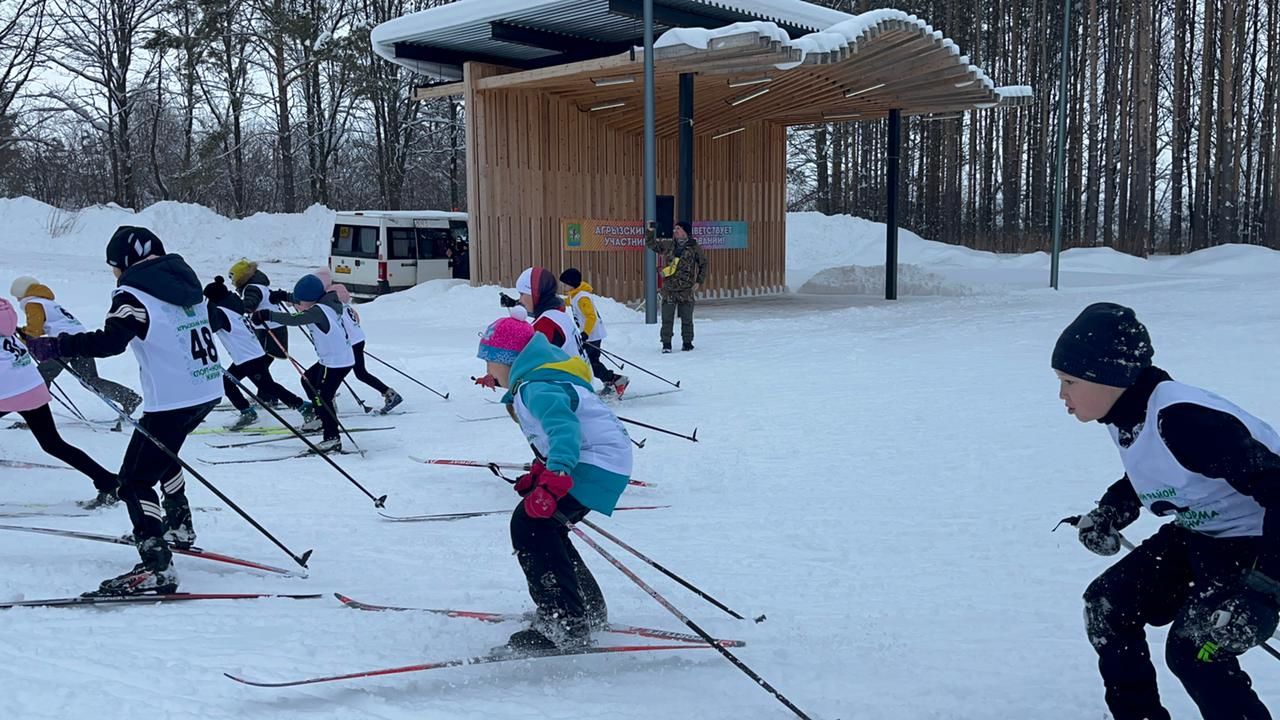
<point>568,425</point>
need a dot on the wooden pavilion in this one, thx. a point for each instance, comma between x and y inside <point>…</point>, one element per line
<point>554,120</point>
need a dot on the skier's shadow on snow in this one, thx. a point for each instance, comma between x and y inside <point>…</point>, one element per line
<point>516,679</point>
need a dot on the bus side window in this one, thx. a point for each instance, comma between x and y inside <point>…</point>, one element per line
<point>402,245</point>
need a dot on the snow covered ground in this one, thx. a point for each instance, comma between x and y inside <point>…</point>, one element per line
<point>879,479</point>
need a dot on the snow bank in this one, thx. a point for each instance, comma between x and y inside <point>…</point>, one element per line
<point>194,231</point>
<point>825,245</point>
<point>869,280</point>
<point>454,303</point>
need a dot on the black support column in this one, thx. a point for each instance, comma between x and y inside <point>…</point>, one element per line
<point>684,195</point>
<point>891,212</point>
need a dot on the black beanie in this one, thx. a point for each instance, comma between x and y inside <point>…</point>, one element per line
<point>216,290</point>
<point>131,244</point>
<point>571,277</point>
<point>1106,344</point>
<point>687,227</point>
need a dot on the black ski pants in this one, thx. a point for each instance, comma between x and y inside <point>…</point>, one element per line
<point>87,369</point>
<point>258,371</point>
<point>40,422</point>
<point>145,466</point>
<point>322,384</point>
<point>559,582</point>
<point>362,373</point>
<point>602,373</point>
<point>277,347</point>
<point>1176,576</point>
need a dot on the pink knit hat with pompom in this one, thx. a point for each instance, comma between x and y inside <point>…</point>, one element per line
<point>503,340</point>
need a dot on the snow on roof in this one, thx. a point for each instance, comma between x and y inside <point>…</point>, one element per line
<point>416,26</point>
<point>701,38</point>
<point>401,214</point>
<point>849,31</point>
<point>796,11</point>
<point>1012,91</point>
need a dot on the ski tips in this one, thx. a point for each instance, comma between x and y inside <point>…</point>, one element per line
<point>694,436</point>
<point>446,396</point>
<point>305,557</point>
<point>760,619</point>
<point>677,383</point>
<point>380,502</point>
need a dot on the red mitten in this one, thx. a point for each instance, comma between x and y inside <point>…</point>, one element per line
<point>524,483</point>
<point>541,503</point>
<point>488,381</point>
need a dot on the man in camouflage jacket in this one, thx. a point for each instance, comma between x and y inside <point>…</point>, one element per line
<point>683,267</point>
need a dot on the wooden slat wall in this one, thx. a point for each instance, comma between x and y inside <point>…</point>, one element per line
<point>533,159</point>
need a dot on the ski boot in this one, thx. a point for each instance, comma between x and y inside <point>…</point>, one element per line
<point>247,417</point>
<point>179,530</point>
<point>104,499</point>
<point>548,635</point>
<point>619,385</point>
<point>686,347</point>
<point>154,575</point>
<point>329,445</point>
<point>666,348</point>
<point>390,398</point>
<point>310,418</point>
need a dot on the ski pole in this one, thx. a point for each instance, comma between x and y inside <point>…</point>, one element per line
<point>377,501</point>
<point>764,684</point>
<point>497,467</point>
<point>407,375</point>
<point>1074,521</point>
<point>315,392</point>
<point>345,384</point>
<point>494,468</point>
<point>300,559</point>
<point>66,401</point>
<point>658,566</point>
<point>637,423</point>
<point>620,359</point>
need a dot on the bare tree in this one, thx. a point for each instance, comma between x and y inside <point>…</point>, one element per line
<point>23,32</point>
<point>97,42</point>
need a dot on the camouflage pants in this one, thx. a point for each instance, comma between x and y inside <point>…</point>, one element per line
<point>669,310</point>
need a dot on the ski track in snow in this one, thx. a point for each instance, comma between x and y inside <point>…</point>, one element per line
<point>879,479</point>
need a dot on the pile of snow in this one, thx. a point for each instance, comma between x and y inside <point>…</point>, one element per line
<point>826,245</point>
<point>869,280</point>
<point>193,231</point>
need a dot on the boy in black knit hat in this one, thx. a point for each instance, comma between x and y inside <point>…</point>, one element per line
<point>1213,571</point>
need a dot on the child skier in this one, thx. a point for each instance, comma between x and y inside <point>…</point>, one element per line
<point>155,310</point>
<point>255,290</point>
<point>1213,571</point>
<point>45,316</point>
<point>584,464</point>
<point>583,303</point>
<point>355,333</point>
<point>537,288</point>
<point>322,310</point>
<point>248,359</point>
<point>23,391</point>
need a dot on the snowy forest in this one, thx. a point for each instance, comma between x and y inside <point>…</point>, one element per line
<point>273,105</point>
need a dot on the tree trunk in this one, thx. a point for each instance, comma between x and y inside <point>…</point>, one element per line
<point>1138,234</point>
<point>1202,218</point>
<point>822,160</point>
<point>1179,123</point>
<point>1091,193</point>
